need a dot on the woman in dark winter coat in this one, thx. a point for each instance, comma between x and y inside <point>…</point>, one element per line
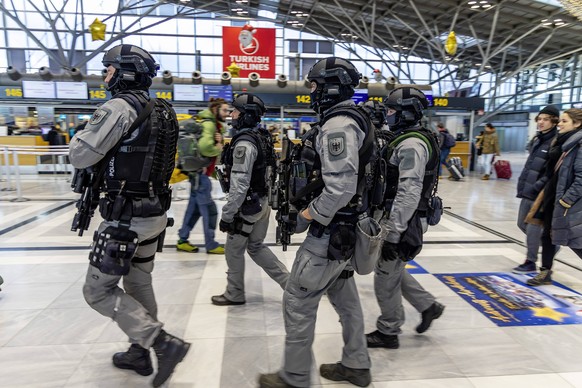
<point>565,188</point>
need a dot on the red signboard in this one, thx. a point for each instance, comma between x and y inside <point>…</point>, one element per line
<point>251,49</point>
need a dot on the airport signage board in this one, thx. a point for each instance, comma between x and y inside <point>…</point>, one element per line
<point>251,49</point>
<point>99,94</point>
<point>10,92</point>
<point>38,89</point>
<point>218,91</point>
<point>470,103</point>
<point>187,92</point>
<point>71,90</point>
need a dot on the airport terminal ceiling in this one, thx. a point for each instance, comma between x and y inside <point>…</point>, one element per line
<point>493,36</point>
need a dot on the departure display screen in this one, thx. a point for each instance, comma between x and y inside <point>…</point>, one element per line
<point>38,89</point>
<point>188,92</point>
<point>218,91</point>
<point>71,90</point>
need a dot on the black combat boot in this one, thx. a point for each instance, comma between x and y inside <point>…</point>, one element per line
<point>136,358</point>
<point>170,351</point>
<point>339,372</point>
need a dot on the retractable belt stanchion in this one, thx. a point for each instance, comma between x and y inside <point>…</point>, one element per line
<point>19,197</point>
<point>7,170</point>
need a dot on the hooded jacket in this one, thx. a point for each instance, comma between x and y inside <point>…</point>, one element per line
<point>533,177</point>
<point>567,222</point>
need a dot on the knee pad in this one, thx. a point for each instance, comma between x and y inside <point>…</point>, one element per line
<point>113,249</point>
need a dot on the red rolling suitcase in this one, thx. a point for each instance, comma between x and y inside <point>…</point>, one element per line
<point>502,169</point>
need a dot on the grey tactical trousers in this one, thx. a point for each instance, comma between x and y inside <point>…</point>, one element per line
<point>391,283</point>
<point>313,275</point>
<point>235,247</point>
<point>134,307</point>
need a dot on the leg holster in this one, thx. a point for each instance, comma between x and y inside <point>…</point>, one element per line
<point>242,226</point>
<point>113,249</point>
<point>342,241</point>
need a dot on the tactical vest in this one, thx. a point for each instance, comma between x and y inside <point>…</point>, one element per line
<point>266,158</point>
<point>431,169</point>
<point>143,166</point>
<point>306,178</point>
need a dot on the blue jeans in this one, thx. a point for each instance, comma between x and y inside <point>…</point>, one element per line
<point>444,156</point>
<point>201,204</point>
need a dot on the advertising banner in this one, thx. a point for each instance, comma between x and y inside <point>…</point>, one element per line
<point>507,300</point>
<point>251,49</point>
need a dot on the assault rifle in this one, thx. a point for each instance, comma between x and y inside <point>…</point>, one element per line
<point>280,197</point>
<point>84,184</point>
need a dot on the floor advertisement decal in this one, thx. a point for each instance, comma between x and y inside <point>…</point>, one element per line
<point>507,300</point>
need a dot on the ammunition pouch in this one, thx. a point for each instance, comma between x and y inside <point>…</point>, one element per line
<point>122,208</point>
<point>113,249</point>
<point>251,204</point>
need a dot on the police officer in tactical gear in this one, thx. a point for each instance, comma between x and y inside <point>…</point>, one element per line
<point>249,160</point>
<point>412,175</point>
<point>134,198</point>
<point>377,112</point>
<point>322,264</point>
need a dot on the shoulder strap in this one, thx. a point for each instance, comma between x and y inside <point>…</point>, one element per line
<point>418,135</point>
<point>107,158</point>
<point>364,153</point>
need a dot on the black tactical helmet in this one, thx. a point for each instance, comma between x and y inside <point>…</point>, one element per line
<point>135,68</point>
<point>335,79</point>
<point>131,58</point>
<point>377,112</point>
<point>251,108</point>
<point>408,102</point>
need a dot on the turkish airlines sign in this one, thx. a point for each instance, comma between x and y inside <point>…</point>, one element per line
<point>251,49</point>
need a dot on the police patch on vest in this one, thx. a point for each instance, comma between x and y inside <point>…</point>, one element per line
<point>98,116</point>
<point>239,155</point>
<point>336,146</point>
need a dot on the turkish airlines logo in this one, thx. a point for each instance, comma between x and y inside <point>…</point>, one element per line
<point>248,44</point>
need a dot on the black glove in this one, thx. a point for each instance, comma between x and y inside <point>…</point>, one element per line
<point>227,227</point>
<point>390,251</point>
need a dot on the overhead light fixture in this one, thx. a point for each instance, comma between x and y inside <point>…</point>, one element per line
<point>553,22</point>
<point>196,77</point>
<point>479,4</point>
<point>45,73</point>
<point>76,74</point>
<point>13,74</point>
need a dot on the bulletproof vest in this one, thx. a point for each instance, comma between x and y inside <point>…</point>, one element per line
<point>431,169</point>
<point>306,181</point>
<point>143,166</point>
<point>266,158</point>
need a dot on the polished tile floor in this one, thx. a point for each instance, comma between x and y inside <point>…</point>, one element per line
<point>49,337</point>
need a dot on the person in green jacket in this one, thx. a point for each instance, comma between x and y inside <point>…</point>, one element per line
<point>201,202</point>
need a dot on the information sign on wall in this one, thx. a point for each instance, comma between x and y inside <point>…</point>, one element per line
<point>71,90</point>
<point>252,49</point>
<point>185,92</point>
<point>218,91</point>
<point>10,92</point>
<point>38,89</point>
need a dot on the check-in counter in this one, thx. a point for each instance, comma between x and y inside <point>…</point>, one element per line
<point>463,150</point>
<point>24,140</point>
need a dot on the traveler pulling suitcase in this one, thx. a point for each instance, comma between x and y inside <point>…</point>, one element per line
<point>455,167</point>
<point>502,169</point>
